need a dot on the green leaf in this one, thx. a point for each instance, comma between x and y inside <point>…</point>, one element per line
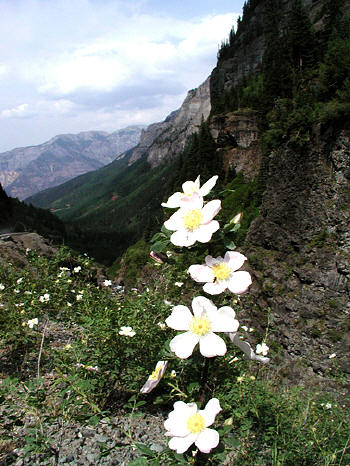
<point>230,245</point>
<point>157,237</point>
<point>166,231</point>
<point>193,386</point>
<point>138,462</point>
<point>144,450</point>
<point>232,442</point>
<point>159,246</point>
<point>235,228</point>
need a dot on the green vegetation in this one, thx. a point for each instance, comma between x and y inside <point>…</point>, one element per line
<point>304,76</point>
<point>74,366</point>
<point>18,217</point>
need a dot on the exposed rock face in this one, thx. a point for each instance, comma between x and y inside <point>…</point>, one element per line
<point>13,247</point>
<point>167,139</point>
<point>148,136</point>
<point>299,250</point>
<point>251,45</point>
<point>237,134</point>
<point>26,171</point>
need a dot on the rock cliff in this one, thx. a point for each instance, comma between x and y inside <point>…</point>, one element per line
<point>299,251</point>
<point>299,246</point>
<point>167,139</point>
<point>237,135</point>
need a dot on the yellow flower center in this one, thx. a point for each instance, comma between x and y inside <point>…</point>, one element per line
<point>195,423</point>
<point>221,271</point>
<point>155,373</point>
<point>200,325</point>
<point>192,219</point>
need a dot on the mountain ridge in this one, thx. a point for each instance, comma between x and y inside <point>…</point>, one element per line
<point>27,170</point>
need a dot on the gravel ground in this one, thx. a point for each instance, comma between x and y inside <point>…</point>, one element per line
<point>110,442</point>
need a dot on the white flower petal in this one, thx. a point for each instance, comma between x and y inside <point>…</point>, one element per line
<point>207,440</point>
<point>202,304</point>
<point>190,187</point>
<point>246,348</point>
<point>224,320</point>
<point>176,422</point>
<point>211,261</point>
<point>234,259</point>
<point>205,232</point>
<point>215,288</point>
<point>239,282</point>
<point>211,345</point>
<point>180,318</point>
<point>201,273</point>
<point>181,444</point>
<point>175,221</point>
<point>182,238</point>
<point>173,201</point>
<point>210,411</point>
<point>183,345</point>
<point>208,186</point>
<point>210,210</point>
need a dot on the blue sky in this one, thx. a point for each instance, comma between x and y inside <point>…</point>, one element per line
<point>76,65</point>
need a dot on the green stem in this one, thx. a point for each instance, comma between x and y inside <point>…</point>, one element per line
<point>203,384</point>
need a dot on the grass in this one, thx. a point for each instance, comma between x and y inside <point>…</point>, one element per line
<point>75,366</point>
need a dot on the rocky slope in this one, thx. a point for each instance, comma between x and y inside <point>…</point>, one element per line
<point>28,170</point>
<point>167,139</point>
<point>299,246</point>
<point>299,251</point>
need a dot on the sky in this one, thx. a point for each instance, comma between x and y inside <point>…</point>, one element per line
<point>78,65</point>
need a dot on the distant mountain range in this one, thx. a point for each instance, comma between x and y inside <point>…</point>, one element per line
<point>28,170</point>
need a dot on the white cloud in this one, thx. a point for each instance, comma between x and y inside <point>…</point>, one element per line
<point>3,69</point>
<point>69,66</point>
<point>43,108</point>
<point>145,49</point>
<point>20,111</point>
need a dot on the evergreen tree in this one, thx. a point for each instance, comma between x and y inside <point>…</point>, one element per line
<point>301,38</point>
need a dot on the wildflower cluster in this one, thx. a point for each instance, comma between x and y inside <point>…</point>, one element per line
<point>192,222</point>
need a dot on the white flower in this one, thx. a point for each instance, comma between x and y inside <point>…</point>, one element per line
<point>127,331</point>
<point>16,291</point>
<point>245,328</point>
<point>77,269</point>
<point>237,218</point>
<point>161,325</point>
<point>107,283</point>
<point>333,355</point>
<point>44,298</point>
<point>155,377</point>
<point>168,303</point>
<point>233,360</point>
<point>32,322</point>
<point>246,348</point>
<point>328,406</point>
<point>28,292</point>
<point>179,284</point>
<point>187,424</point>
<point>92,368</point>
<point>173,374</point>
<point>79,297</point>
<point>19,280</point>
<point>220,273</point>
<point>2,287</point>
<point>194,223</point>
<point>201,325</point>
<point>262,348</point>
<point>191,192</point>
<point>69,304</point>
